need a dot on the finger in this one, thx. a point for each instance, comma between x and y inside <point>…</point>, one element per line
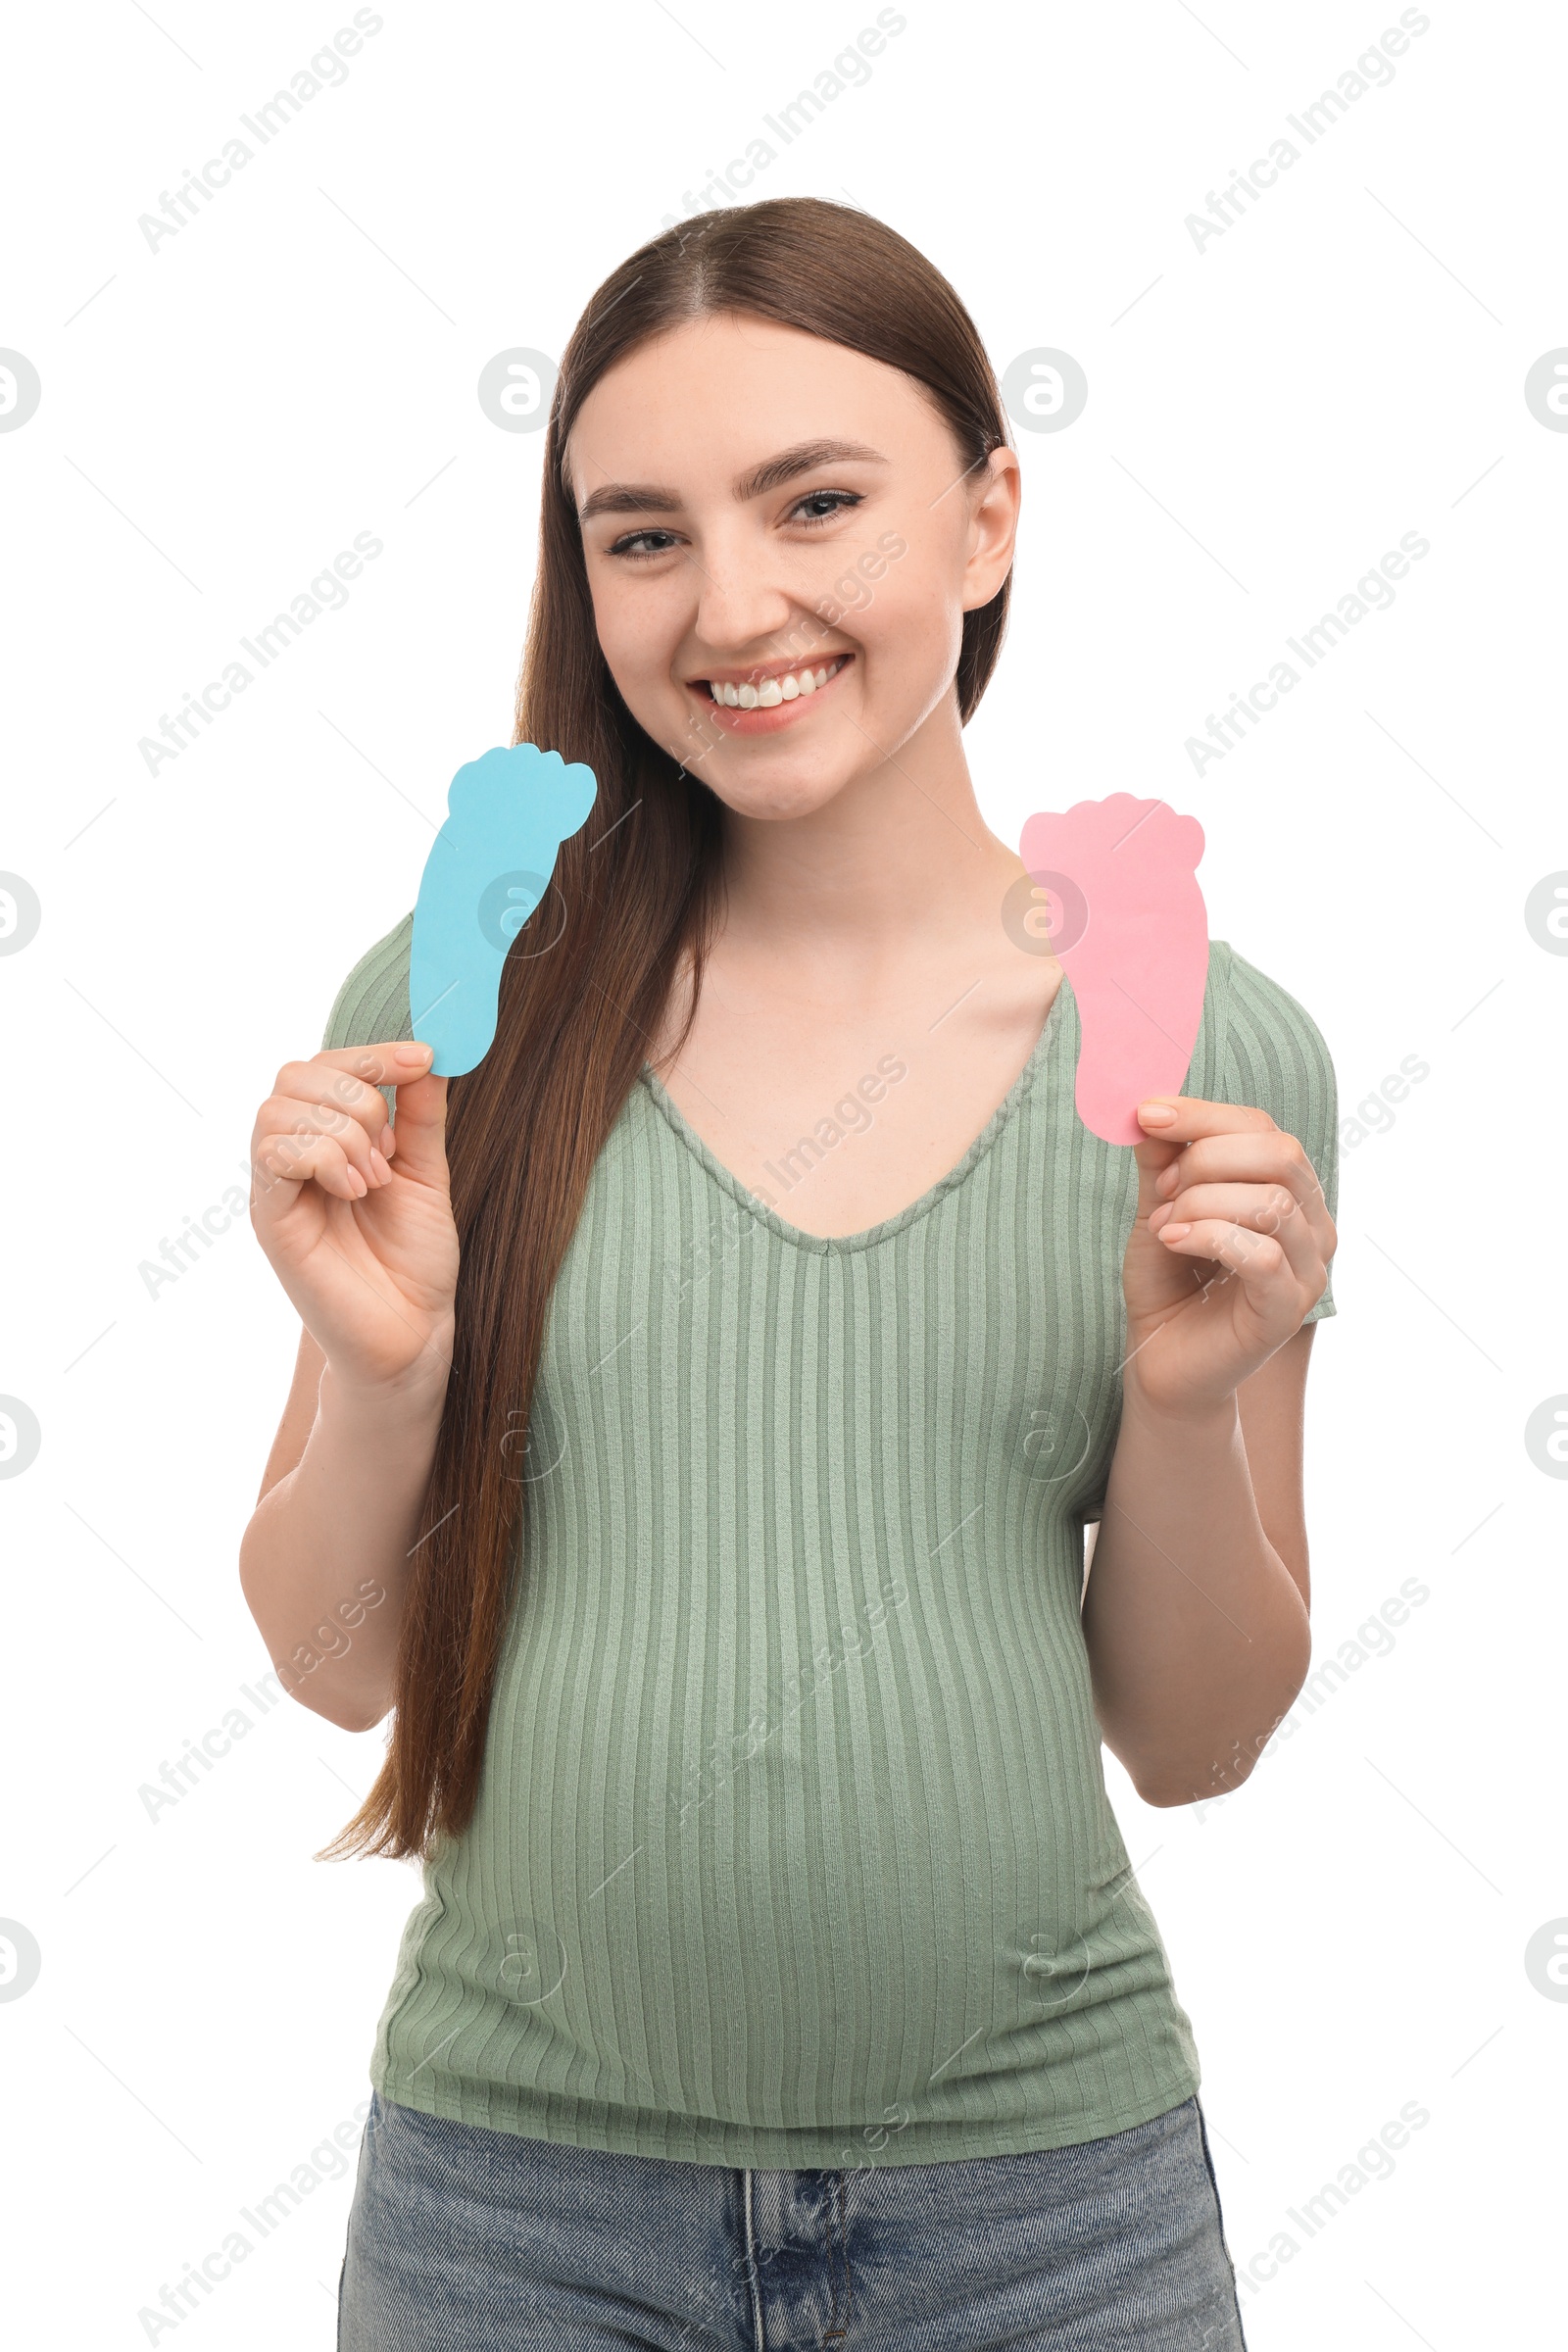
<point>335,1103</point>
<point>421,1131</point>
<point>1258,1259</point>
<point>1174,1122</point>
<point>282,1162</point>
<point>1182,1118</point>
<point>290,1129</point>
<point>351,1078</point>
<point>1268,1155</point>
<point>1253,1154</point>
<point>337,1091</point>
<point>1267,1209</point>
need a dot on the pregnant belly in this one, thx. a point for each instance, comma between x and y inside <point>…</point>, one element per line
<point>876,1892</point>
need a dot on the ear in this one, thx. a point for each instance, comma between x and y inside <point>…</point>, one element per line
<point>996,491</point>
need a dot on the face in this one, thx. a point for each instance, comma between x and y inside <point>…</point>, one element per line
<point>781,547</point>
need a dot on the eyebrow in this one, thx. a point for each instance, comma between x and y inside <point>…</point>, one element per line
<point>648,497</point>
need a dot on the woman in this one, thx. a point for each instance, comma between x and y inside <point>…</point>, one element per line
<point>717,1534</point>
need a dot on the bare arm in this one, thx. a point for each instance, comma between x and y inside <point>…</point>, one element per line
<point>356,1221</point>
<point>323,1563</point>
<point>1195,1613</point>
<point>1195,1609</point>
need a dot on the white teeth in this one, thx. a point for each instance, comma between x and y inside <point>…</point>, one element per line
<point>774,691</point>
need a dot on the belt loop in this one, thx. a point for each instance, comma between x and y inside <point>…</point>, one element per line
<point>753,2278</point>
<point>838,2326</point>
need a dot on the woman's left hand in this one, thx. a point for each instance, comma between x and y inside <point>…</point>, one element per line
<point>1229,1251</point>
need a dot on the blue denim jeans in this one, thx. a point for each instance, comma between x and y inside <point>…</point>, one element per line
<point>468,2240</point>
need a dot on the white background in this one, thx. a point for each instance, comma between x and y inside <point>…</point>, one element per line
<point>1265,417</point>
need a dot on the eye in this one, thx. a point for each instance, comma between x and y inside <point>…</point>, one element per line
<point>633,544</point>
<point>839,503</point>
<point>811,511</point>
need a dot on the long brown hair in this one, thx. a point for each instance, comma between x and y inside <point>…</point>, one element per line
<point>586,981</point>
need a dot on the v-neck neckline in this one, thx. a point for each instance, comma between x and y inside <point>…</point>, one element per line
<point>887,1228</point>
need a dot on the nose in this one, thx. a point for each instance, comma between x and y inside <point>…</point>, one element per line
<point>742,612</point>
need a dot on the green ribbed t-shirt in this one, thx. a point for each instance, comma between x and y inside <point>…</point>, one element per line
<point>792,1846</point>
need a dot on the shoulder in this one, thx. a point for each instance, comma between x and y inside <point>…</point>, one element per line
<point>1260,1034</point>
<point>1260,1045</point>
<point>372,1002</point>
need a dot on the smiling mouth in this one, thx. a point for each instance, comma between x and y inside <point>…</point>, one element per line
<point>767,694</point>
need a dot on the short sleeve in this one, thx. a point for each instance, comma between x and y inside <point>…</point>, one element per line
<point>1272,1054</point>
<point>372,1003</point>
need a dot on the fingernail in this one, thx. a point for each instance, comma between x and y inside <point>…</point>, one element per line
<point>1157,1114</point>
<point>383,1174</point>
<point>411,1055</point>
<point>388,1141</point>
<point>1174,1233</point>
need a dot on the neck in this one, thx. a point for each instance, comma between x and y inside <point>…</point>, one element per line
<point>899,856</point>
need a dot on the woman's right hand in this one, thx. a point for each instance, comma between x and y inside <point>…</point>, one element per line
<point>357,1224</point>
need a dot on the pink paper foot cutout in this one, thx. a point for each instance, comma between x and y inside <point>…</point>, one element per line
<point>1125,918</point>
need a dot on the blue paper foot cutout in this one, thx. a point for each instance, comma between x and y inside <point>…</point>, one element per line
<point>507,814</point>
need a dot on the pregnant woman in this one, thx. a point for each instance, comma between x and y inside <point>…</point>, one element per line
<point>702,1403</point>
